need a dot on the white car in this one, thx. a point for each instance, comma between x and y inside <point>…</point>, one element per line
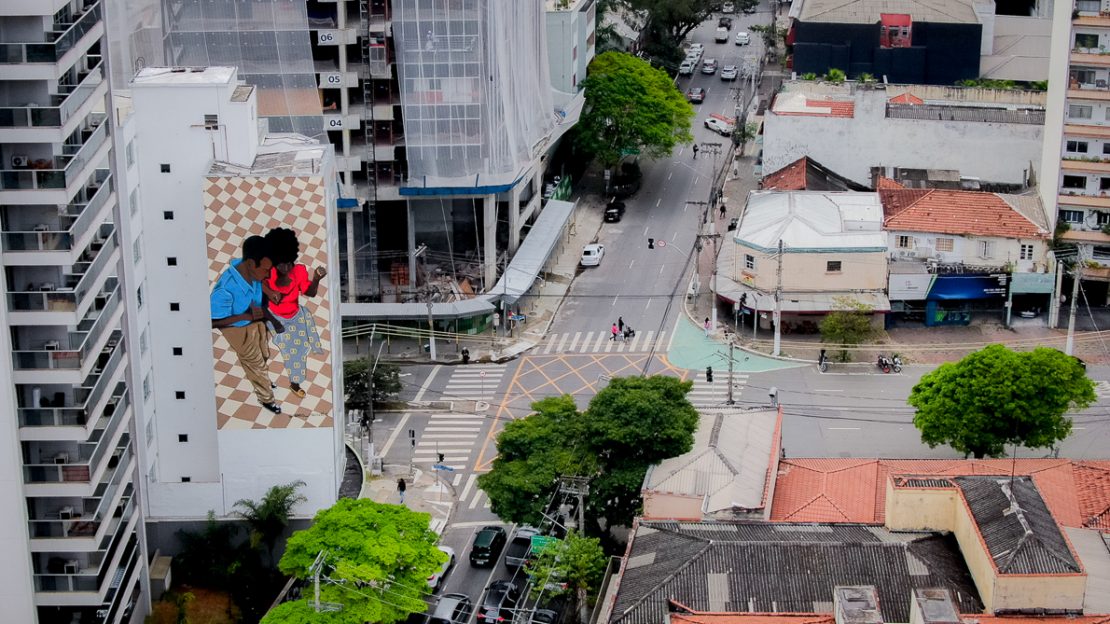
<point>687,67</point>
<point>720,124</point>
<point>435,579</point>
<point>695,49</point>
<point>729,72</point>
<point>709,67</point>
<point>721,36</point>
<point>728,8</point>
<point>743,38</point>
<point>592,254</point>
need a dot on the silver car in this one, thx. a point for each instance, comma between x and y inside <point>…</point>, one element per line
<point>709,66</point>
<point>729,72</point>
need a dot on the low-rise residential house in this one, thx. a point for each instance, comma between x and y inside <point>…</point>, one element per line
<point>812,250</point>
<point>954,253</point>
<point>806,174</point>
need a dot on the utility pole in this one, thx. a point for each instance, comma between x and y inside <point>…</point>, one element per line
<point>419,253</point>
<point>1054,303</point>
<point>778,305</point>
<point>1077,275</point>
<point>731,346</point>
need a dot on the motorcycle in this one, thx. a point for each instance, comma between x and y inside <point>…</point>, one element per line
<point>896,363</point>
<point>823,362</point>
<point>883,363</point>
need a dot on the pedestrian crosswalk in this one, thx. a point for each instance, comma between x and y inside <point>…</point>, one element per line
<point>453,435</point>
<point>474,382</point>
<point>471,496</point>
<point>706,394</point>
<point>1102,389</point>
<point>599,342</point>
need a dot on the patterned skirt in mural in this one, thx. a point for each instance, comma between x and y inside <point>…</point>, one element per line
<point>295,343</point>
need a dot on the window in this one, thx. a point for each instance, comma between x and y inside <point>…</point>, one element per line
<point>1102,218</point>
<point>186,479</point>
<point>1026,252</point>
<point>1075,182</point>
<point>166,166</point>
<point>175,307</point>
<point>749,262</point>
<point>146,386</point>
<point>179,395</point>
<point>1079,147</point>
<point>139,296</point>
<point>130,151</point>
<point>177,351</point>
<point>142,341</point>
<point>905,242</point>
<point>1086,40</point>
<point>1083,76</point>
<point>1071,216</point>
<point>167,215</point>
<point>1106,148</point>
<point>986,249</point>
<point>171,261</point>
<point>211,122</point>
<point>1075,111</point>
<point>1104,184</point>
<point>832,266</point>
<point>137,249</point>
<point>133,199</point>
<point>182,437</point>
<point>944,244</point>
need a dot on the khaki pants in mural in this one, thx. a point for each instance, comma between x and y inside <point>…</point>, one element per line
<point>252,345</point>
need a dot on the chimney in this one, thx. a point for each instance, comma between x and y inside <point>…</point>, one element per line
<point>858,604</point>
<point>933,606</point>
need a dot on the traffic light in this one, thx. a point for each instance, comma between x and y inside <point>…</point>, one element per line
<point>651,243</point>
<point>709,373</point>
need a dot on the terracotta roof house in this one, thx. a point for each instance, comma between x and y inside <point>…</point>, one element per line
<point>806,174</point>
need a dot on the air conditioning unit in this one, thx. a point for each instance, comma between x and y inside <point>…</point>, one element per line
<point>47,287</point>
<point>66,513</point>
<point>20,161</point>
<point>71,567</point>
<point>61,458</point>
<point>52,345</point>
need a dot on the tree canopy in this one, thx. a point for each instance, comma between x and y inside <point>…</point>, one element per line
<point>995,396</point>
<point>574,565</point>
<point>378,558</point>
<point>848,324</point>
<point>269,517</point>
<point>356,377</point>
<point>631,424</point>
<point>669,21</point>
<point>631,108</point>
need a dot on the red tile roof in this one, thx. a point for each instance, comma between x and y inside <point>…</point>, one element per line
<point>822,618</point>
<point>854,490</point>
<point>906,98</point>
<point>792,177</point>
<point>831,108</point>
<point>943,211</point>
<point>888,184</point>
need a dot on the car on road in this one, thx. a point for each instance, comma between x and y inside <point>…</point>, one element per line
<point>721,35</point>
<point>695,95</point>
<point>743,38</point>
<point>436,579</point>
<point>696,48</point>
<point>725,22</point>
<point>728,7</point>
<point>749,10</point>
<point>487,546</point>
<point>499,603</point>
<point>687,67</point>
<point>729,72</point>
<point>520,546</point>
<point>614,212</point>
<point>721,124</point>
<point>592,254</point>
<point>709,66</point>
<point>452,609</point>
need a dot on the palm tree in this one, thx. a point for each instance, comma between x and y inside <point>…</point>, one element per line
<point>268,518</point>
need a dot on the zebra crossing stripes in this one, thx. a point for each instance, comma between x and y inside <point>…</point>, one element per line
<point>598,342</point>
<point>707,394</point>
<point>453,435</point>
<point>474,382</point>
<point>479,497</point>
<point>1102,389</point>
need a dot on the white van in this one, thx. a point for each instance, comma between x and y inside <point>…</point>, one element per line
<point>721,36</point>
<point>743,38</point>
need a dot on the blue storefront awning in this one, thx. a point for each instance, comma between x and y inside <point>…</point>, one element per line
<point>966,287</point>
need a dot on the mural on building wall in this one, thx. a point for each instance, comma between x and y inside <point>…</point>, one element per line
<point>267,263</point>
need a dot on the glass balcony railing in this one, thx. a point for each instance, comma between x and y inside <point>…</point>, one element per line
<point>62,107</point>
<point>78,466</point>
<point>63,40</point>
<point>89,572</point>
<point>73,352</point>
<point>59,173</point>
<point>50,298</point>
<point>78,415</point>
<point>44,238</point>
<point>84,519</point>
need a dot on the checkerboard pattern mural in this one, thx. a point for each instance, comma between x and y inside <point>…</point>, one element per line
<point>238,207</point>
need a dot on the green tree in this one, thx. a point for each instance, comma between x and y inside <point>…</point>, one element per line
<point>572,566</point>
<point>848,324</point>
<point>356,373</point>
<point>631,107</point>
<point>269,517</point>
<point>669,21</point>
<point>995,396</point>
<point>376,564</point>
<point>631,424</point>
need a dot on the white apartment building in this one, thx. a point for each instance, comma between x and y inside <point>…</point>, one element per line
<point>71,538</point>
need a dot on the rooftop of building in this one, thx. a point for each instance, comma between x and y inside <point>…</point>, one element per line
<point>1016,526</point>
<point>869,11</point>
<point>924,101</point>
<point>827,618</point>
<point>183,76</point>
<point>280,154</point>
<point>783,567</point>
<point>812,220</point>
<point>966,213</point>
<point>854,490</point>
<point>806,174</point>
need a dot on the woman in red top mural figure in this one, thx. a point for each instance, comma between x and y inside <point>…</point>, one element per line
<point>288,281</point>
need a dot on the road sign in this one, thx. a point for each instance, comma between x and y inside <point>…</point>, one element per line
<point>661,242</point>
<point>540,542</point>
<point>517,317</point>
<point>442,467</point>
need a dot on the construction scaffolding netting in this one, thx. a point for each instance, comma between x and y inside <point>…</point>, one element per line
<point>268,40</point>
<point>475,88</point>
<point>134,38</point>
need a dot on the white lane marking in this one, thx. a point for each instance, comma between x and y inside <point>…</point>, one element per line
<point>474,501</point>
<point>574,341</point>
<point>614,301</point>
<point>684,207</point>
<point>843,428</point>
<point>469,484</point>
<point>465,417</point>
<point>550,343</point>
<point>397,430</point>
<point>647,306</point>
<point>597,344</point>
<point>669,175</point>
<point>449,438</point>
<point>827,390</point>
<point>674,332</point>
<point>458,478</point>
<point>674,239</point>
<point>424,386</point>
<point>696,180</point>
<point>562,341</point>
<point>645,230</point>
<point>609,345</point>
<point>635,341</point>
<point>658,201</point>
<point>586,342</point>
<point>631,263</point>
<point>450,429</point>
<point>661,269</point>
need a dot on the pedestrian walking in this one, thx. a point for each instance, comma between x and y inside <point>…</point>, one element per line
<point>722,210</point>
<point>401,489</point>
<point>614,331</point>
<point>620,323</point>
<point>628,332</point>
<point>707,326</point>
<point>695,151</point>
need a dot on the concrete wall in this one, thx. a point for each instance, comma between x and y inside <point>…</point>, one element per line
<point>1039,591</point>
<point>1020,47</point>
<point>993,152</point>
<point>1055,107</point>
<point>668,506</point>
<point>920,509</point>
<point>569,44</point>
<point>966,250</point>
<point>16,590</point>
<point>807,271</point>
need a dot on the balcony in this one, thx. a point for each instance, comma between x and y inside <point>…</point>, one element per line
<point>63,171</point>
<point>62,39</point>
<point>80,463</point>
<point>89,519</point>
<point>96,573</point>
<point>64,232</point>
<point>84,413</point>
<point>72,295</point>
<point>62,107</point>
<point>74,351</point>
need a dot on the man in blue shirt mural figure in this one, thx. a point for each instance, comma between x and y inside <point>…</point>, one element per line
<point>238,313</point>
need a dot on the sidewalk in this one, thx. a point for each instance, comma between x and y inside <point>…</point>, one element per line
<point>422,493</point>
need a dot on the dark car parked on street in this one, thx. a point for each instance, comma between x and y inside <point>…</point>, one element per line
<point>500,601</point>
<point>487,546</point>
<point>725,22</point>
<point>452,609</point>
<point>614,211</point>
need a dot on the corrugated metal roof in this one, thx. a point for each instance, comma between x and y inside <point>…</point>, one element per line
<point>933,112</point>
<point>868,11</point>
<point>812,221</point>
